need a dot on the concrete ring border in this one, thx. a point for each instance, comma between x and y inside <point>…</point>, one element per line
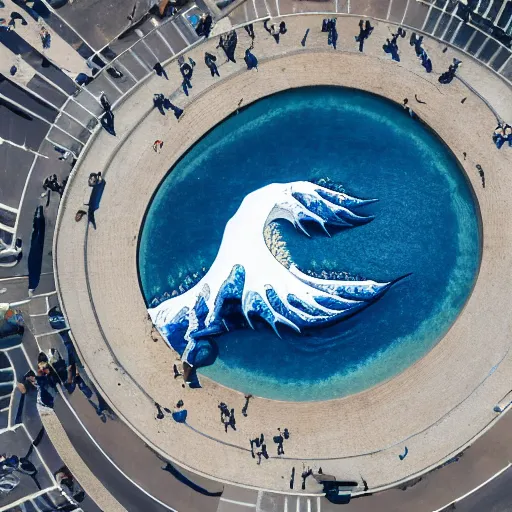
<point>59,288</point>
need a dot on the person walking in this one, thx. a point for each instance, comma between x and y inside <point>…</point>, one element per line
<point>365,29</point>
<point>186,71</point>
<point>105,103</point>
<point>232,420</point>
<point>332,36</point>
<point>158,102</point>
<point>16,16</point>
<point>177,111</point>
<point>209,60</point>
<point>160,71</point>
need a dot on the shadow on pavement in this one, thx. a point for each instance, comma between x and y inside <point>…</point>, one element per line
<point>35,255</point>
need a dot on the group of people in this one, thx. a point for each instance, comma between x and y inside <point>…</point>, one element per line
<point>178,413</point>
<point>259,444</point>
<point>275,30</point>
<point>279,440</point>
<point>227,416</point>
<point>227,42</point>
<point>51,184</point>
<point>502,134</point>
<point>391,45</point>
<point>11,24</point>
<point>259,448</point>
<point>162,104</point>
<point>449,75</point>
<point>52,370</point>
<point>420,52</point>
<point>329,26</point>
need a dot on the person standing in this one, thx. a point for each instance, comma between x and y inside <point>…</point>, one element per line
<point>279,439</point>
<point>205,25</point>
<point>157,145</point>
<point>246,406</point>
<point>250,60</point>
<point>158,102</point>
<point>228,43</point>
<point>232,420</point>
<point>273,30</point>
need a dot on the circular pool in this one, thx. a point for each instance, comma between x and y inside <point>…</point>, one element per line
<point>425,224</point>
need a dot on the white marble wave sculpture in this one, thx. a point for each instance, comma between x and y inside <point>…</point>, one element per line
<point>246,272</point>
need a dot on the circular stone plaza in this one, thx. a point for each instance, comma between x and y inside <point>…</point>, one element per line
<point>256,255</point>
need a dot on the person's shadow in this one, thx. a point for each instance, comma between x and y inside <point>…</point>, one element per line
<point>35,255</point>
<point>94,201</point>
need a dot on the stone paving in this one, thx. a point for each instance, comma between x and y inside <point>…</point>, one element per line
<point>102,300</point>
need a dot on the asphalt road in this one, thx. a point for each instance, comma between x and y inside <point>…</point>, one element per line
<point>496,496</point>
<point>100,21</point>
<point>122,489</point>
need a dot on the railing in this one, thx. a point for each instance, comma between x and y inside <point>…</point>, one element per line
<point>87,98</point>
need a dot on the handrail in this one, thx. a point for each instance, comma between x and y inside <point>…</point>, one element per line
<point>111,63</point>
<point>455,16</point>
<point>200,40</point>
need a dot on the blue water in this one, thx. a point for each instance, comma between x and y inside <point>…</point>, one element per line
<point>426,222</point>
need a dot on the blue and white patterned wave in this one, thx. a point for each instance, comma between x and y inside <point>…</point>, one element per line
<point>253,275</point>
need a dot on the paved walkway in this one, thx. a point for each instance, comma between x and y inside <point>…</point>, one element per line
<point>413,404</point>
